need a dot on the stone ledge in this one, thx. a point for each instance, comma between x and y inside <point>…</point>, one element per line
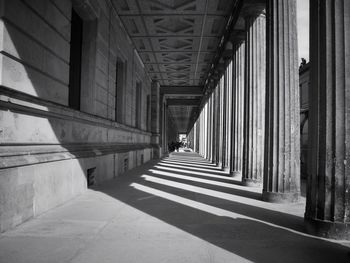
<point>30,105</point>
<point>15,156</point>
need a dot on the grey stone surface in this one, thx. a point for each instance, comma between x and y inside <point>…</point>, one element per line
<point>254,100</point>
<point>238,107</point>
<point>282,123</point>
<point>328,206</point>
<point>148,217</point>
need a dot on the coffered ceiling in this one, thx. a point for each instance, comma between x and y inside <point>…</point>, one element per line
<point>177,41</point>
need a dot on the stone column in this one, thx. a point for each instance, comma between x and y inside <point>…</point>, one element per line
<point>205,131</point>
<point>166,121</point>
<point>155,116</point>
<point>197,136</point>
<point>254,113</point>
<point>229,99</point>
<point>194,144</point>
<point>161,128</point>
<point>202,133</point>
<point>238,103</point>
<point>163,125</point>
<point>282,133</point>
<point>222,118</point>
<point>217,124</point>
<point>200,137</point>
<point>210,125</point>
<point>328,193</point>
<point>214,129</point>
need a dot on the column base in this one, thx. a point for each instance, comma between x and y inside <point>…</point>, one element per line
<point>280,197</point>
<point>235,173</point>
<point>251,182</point>
<point>327,229</point>
<point>156,151</point>
<point>226,170</point>
<point>219,164</point>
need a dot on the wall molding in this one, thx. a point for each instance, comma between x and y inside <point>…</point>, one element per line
<point>12,156</point>
<point>27,104</point>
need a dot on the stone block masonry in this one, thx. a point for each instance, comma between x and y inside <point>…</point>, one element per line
<point>50,152</point>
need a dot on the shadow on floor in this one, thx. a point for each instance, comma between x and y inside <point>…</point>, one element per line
<point>254,233</point>
<point>209,183</point>
<point>204,164</point>
<point>194,168</point>
<point>198,174</point>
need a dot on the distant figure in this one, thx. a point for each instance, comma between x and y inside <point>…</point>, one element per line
<point>303,63</point>
<point>171,146</point>
<point>177,146</point>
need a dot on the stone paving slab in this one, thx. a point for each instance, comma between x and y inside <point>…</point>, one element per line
<point>131,219</point>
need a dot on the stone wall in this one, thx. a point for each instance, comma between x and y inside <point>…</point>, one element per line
<point>47,149</point>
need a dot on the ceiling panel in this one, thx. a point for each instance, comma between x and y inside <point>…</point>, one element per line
<point>176,39</point>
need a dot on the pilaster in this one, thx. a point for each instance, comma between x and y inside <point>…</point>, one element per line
<point>155,116</point>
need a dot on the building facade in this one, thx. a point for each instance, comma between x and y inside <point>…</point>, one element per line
<point>90,89</point>
<point>75,103</point>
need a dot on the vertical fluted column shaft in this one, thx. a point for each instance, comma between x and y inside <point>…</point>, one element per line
<point>215,123</point>
<point>211,127</point>
<point>162,125</point>
<point>199,122</point>
<point>254,114</point>
<point>217,117</point>
<point>282,133</point>
<point>222,124</point>
<point>197,137</point>
<point>238,106</point>
<point>328,195</point>
<point>229,100</point>
<point>206,129</point>
<point>166,128</point>
<point>201,134</point>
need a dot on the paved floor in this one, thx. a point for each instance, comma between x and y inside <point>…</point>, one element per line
<point>180,209</point>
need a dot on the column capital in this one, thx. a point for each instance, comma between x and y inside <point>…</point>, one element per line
<point>228,52</point>
<point>88,9</point>
<point>252,11</point>
<point>237,37</point>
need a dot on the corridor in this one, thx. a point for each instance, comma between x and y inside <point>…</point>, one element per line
<point>178,209</point>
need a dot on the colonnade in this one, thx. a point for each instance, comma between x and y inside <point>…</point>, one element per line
<point>250,122</point>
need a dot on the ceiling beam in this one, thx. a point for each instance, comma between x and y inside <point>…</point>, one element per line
<point>183,102</point>
<point>182,90</point>
<point>172,50</point>
<point>175,36</point>
<point>176,62</point>
<point>172,13</point>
